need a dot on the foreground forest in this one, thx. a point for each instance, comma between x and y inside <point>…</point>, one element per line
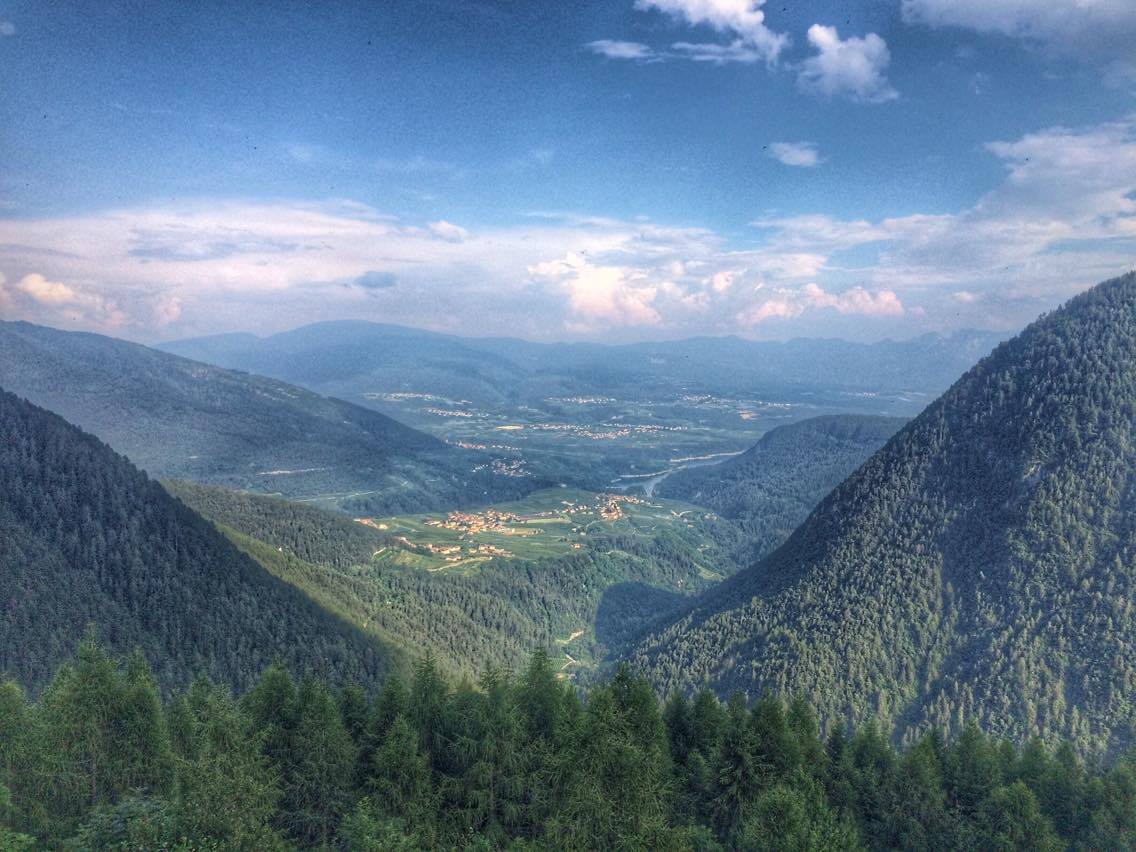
<point>101,762</point>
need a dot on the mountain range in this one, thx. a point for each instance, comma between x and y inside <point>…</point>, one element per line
<point>351,358</point>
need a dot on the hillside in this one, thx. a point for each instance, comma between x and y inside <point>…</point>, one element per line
<point>86,537</point>
<point>544,593</point>
<point>771,488</point>
<point>182,419</point>
<point>982,565</point>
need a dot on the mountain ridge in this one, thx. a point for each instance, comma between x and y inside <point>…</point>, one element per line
<point>178,418</point>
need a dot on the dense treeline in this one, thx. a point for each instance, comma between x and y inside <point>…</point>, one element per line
<point>981,566</point>
<point>99,762</point>
<point>87,537</point>
<point>311,534</point>
<point>494,616</point>
<point>771,488</point>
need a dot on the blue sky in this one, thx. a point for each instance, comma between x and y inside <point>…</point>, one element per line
<point>626,169</point>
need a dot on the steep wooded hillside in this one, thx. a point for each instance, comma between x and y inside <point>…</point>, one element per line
<point>982,565</point>
<point>182,419</point>
<point>85,537</point>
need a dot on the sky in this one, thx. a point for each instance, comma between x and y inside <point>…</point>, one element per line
<point>609,170</point>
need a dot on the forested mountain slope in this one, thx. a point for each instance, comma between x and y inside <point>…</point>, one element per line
<point>982,565</point>
<point>771,488</point>
<point>86,537</point>
<point>179,418</point>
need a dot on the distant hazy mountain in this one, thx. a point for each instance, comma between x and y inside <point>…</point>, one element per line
<point>85,537</point>
<point>982,565</point>
<point>351,358</point>
<point>179,418</point>
<point>771,488</point>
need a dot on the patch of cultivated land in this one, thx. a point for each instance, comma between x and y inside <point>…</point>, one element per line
<point>545,525</point>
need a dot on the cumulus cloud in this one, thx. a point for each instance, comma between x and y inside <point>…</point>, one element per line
<point>448,231</point>
<point>7,28</point>
<point>606,296</point>
<point>46,292</point>
<point>853,67</point>
<point>803,154</point>
<point>621,49</point>
<point>65,302</point>
<point>784,303</point>
<point>742,20</point>
<point>1093,29</point>
<point>167,310</point>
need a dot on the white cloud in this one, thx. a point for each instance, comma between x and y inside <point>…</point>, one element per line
<point>721,282</point>
<point>1095,28</point>
<point>7,28</point>
<point>742,19</point>
<point>853,67</point>
<point>1063,217</point>
<point>66,302</point>
<point>601,295</point>
<point>621,49</point>
<point>785,303</point>
<point>803,154</point>
<point>718,54</point>
<point>448,231</point>
<point>46,292</point>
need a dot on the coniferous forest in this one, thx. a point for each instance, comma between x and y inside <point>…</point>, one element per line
<point>101,761</point>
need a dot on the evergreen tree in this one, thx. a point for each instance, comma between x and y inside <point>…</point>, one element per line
<point>319,782</point>
<point>1010,820</point>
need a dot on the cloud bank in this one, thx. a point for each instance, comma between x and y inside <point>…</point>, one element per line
<point>1063,217</point>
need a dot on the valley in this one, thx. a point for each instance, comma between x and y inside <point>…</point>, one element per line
<point>595,416</point>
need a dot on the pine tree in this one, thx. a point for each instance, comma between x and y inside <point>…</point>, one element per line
<point>227,790</point>
<point>399,782</point>
<point>319,784</point>
<point>1011,821</point>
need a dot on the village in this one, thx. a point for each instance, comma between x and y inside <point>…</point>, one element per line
<point>464,537</point>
